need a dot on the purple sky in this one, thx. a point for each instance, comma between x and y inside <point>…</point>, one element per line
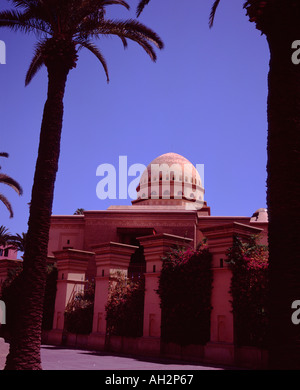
<point>205,98</point>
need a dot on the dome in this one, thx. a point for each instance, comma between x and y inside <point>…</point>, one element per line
<point>170,177</point>
<point>260,215</point>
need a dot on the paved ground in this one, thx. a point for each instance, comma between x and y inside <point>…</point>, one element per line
<point>57,358</point>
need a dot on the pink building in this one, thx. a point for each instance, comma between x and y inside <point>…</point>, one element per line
<point>169,210</point>
<point>6,253</point>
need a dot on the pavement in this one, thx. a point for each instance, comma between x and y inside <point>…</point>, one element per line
<point>60,358</point>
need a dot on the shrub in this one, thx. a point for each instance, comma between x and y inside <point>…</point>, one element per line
<point>184,289</point>
<point>125,307</point>
<point>79,311</point>
<point>249,289</point>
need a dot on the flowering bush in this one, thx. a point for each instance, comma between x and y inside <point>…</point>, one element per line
<point>249,289</point>
<point>185,292</point>
<point>125,307</point>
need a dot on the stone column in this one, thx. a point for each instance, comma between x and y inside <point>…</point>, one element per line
<point>71,265</point>
<point>110,257</point>
<point>220,239</point>
<point>155,247</point>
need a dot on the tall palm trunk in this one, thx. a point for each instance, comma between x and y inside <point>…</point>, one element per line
<point>26,333</point>
<point>283,192</point>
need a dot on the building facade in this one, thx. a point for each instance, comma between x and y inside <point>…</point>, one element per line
<point>169,210</point>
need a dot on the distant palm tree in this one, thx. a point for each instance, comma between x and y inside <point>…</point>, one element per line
<point>18,241</point>
<point>4,236</point>
<point>64,27</point>
<point>79,212</point>
<point>5,179</point>
<point>279,21</point>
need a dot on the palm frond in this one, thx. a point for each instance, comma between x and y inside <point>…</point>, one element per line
<point>145,45</point>
<point>133,30</point>
<point>21,3</point>
<point>4,234</point>
<point>5,179</point>
<point>3,154</point>
<point>36,63</point>
<point>79,20</point>
<point>142,4</point>
<point>93,49</point>
<point>124,41</point>
<point>146,32</point>
<point>119,2</point>
<point>20,21</point>
<point>7,204</point>
<point>17,242</point>
<point>213,12</point>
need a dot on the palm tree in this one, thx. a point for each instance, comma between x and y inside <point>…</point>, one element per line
<point>18,241</point>
<point>4,236</point>
<point>5,179</point>
<point>279,20</point>
<point>63,27</point>
<point>79,212</point>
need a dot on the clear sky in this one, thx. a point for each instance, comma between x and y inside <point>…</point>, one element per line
<point>204,98</point>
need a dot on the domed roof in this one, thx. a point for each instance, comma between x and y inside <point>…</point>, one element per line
<point>170,158</point>
<point>260,215</point>
<point>170,177</point>
<point>168,163</point>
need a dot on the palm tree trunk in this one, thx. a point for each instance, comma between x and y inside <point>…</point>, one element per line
<point>283,195</point>
<point>26,333</point>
